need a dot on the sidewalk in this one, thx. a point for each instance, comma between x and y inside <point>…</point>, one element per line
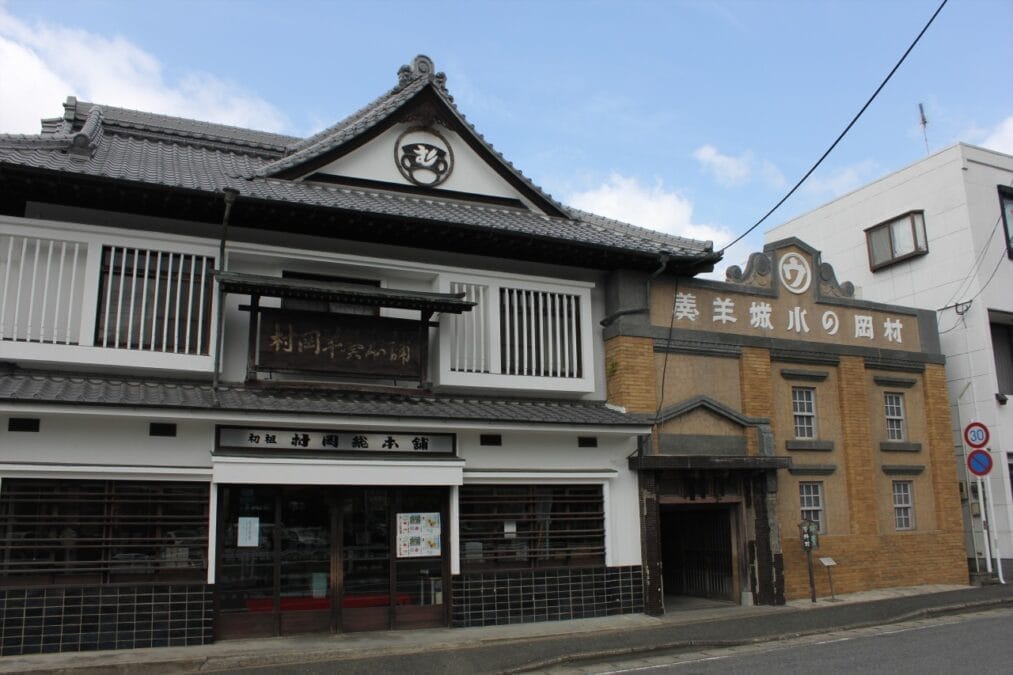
<point>518,647</point>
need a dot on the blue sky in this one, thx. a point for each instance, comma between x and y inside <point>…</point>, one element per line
<point>692,117</point>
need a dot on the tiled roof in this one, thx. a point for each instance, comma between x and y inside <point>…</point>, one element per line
<point>40,387</point>
<point>144,148</point>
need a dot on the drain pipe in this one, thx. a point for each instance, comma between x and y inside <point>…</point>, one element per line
<point>230,195</point>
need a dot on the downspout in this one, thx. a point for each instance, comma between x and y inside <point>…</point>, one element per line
<point>230,195</point>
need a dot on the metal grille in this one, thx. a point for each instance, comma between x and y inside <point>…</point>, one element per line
<point>506,526</point>
<point>894,405</point>
<point>903,505</point>
<point>102,531</point>
<point>810,495</point>
<point>803,405</point>
<point>540,333</point>
<point>43,282</point>
<point>154,300</point>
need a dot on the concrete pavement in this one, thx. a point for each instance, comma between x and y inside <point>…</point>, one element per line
<point>514,648</point>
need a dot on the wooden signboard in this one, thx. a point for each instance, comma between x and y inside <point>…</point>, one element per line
<point>340,343</point>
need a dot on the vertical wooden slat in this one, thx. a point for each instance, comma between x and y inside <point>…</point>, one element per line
<point>482,323</point>
<point>168,305</point>
<point>70,295</point>
<point>45,291</point>
<point>543,314</point>
<point>119,297</point>
<point>143,321</point>
<point>200,306</point>
<point>525,354</point>
<point>177,311</point>
<point>133,300</point>
<point>7,284</point>
<point>109,297</point>
<point>154,300</point>
<point>59,292</point>
<point>574,334</point>
<point>455,333</point>
<point>188,319</point>
<point>17,295</point>
<point>513,325</point>
<point>31,296</point>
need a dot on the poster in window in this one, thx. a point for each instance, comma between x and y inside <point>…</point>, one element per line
<point>248,531</point>
<point>418,535</point>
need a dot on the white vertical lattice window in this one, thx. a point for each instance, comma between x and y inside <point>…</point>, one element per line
<point>469,331</point>
<point>42,284</point>
<point>540,333</point>
<point>903,505</point>
<point>894,409</point>
<point>154,300</point>
<point>810,496</point>
<point>803,405</point>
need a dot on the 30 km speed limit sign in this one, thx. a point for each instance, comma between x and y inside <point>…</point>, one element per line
<point>976,435</point>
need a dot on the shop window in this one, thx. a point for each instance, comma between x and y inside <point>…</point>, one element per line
<point>896,425</point>
<point>803,405</point>
<point>154,300</point>
<point>896,240</point>
<point>521,527</point>
<point>325,306</point>
<point>903,505</point>
<point>1002,351</point>
<point>102,531</point>
<point>810,496</point>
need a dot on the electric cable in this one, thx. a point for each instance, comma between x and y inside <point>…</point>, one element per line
<point>843,133</point>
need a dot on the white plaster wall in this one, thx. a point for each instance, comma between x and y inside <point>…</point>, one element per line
<point>96,440</point>
<point>957,189</point>
<point>376,161</point>
<point>556,453</point>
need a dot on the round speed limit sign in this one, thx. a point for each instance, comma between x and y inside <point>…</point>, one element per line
<point>976,435</point>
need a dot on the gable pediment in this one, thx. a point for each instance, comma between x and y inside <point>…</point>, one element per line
<point>413,139</point>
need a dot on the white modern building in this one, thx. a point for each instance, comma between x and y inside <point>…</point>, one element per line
<point>938,234</point>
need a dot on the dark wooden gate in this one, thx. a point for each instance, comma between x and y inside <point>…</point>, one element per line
<point>696,552</point>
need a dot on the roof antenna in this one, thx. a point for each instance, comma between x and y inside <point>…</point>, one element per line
<point>925,124</point>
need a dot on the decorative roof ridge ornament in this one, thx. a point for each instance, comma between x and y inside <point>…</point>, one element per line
<point>830,287</point>
<point>422,67</point>
<point>757,272</point>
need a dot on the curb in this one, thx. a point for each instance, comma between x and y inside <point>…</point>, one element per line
<point>691,644</point>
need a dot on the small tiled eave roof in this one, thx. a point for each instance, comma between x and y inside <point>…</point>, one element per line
<point>354,294</point>
<point>74,390</point>
<point>413,78</point>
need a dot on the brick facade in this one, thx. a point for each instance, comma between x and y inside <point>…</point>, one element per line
<point>629,372</point>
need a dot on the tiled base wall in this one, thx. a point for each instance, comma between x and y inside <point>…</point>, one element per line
<point>74,619</point>
<point>492,598</point>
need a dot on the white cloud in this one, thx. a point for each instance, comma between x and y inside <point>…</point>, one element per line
<point>44,63</point>
<point>654,207</point>
<point>733,171</point>
<point>1000,138</point>
<point>839,181</point>
<point>726,169</point>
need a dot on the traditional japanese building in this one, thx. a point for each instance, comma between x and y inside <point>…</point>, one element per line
<point>260,385</point>
<point>780,398</point>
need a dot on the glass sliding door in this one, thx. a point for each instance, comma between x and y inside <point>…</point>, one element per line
<point>365,559</point>
<point>304,575</point>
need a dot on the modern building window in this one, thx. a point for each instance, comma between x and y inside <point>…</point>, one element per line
<point>896,240</point>
<point>93,531</point>
<point>1006,204</point>
<point>896,426</point>
<point>154,300</point>
<point>803,405</point>
<point>903,505</point>
<point>1002,350</point>
<point>810,496</point>
<point>520,527</point>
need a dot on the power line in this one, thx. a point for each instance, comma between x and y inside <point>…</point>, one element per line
<point>843,133</point>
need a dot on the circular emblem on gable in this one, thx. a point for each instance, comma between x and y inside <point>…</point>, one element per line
<point>795,273</point>
<point>423,157</point>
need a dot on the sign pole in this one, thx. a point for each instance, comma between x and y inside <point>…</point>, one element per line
<point>985,526</point>
<point>991,522</point>
<point>812,579</point>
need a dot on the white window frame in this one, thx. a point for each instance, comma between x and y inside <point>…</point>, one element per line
<point>811,503</point>
<point>803,409</point>
<point>903,504</point>
<point>893,411</point>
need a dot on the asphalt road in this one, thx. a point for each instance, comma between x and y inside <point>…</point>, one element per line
<point>964,643</point>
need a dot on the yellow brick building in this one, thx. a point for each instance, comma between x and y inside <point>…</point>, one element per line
<point>777,396</point>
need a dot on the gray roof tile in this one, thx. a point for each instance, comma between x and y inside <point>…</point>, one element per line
<point>38,387</point>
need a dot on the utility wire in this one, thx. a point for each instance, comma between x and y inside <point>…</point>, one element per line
<point>843,133</point>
